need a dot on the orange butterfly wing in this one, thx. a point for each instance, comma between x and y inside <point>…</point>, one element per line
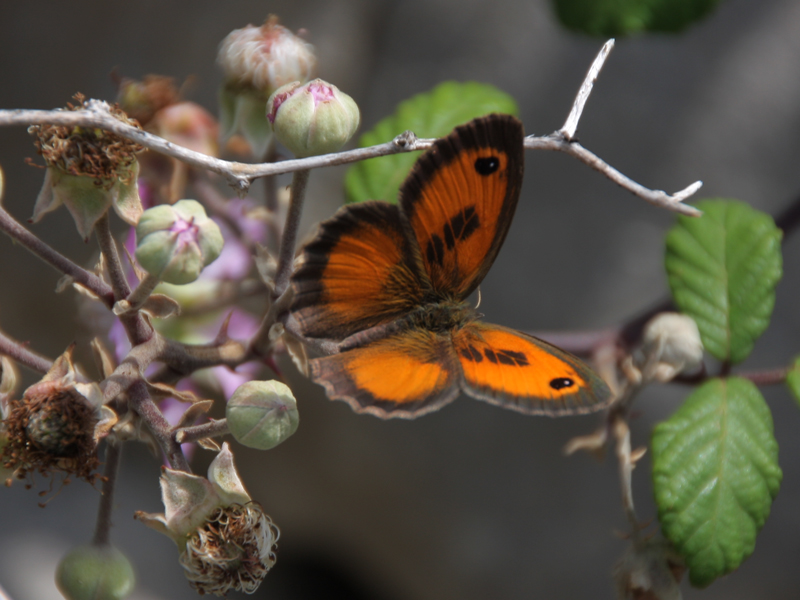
<point>374,270</point>
<point>360,271</point>
<point>403,375</point>
<point>518,371</point>
<point>460,198</point>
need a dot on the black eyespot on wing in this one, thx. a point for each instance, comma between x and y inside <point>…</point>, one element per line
<point>487,165</point>
<point>559,383</point>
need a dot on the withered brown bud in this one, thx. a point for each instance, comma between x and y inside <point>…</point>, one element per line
<point>233,550</point>
<point>90,152</point>
<point>51,428</point>
<point>56,425</point>
<point>141,100</point>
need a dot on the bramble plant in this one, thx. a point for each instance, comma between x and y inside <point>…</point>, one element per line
<point>198,247</point>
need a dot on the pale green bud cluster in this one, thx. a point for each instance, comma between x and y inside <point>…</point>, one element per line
<point>175,242</point>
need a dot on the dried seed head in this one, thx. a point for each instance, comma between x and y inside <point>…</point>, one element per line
<point>51,428</point>
<point>233,550</point>
<point>105,157</point>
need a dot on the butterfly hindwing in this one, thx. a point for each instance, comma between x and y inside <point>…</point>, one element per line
<point>521,372</point>
<point>359,271</point>
<point>404,375</point>
<point>460,198</point>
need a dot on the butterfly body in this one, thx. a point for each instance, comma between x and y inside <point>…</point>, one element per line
<point>389,284</point>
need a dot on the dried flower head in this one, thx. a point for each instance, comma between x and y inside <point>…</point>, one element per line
<point>233,550</point>
<point>226,541</point>
<point>101,155</point>
<point>89,170</point>
<point>56,425</point>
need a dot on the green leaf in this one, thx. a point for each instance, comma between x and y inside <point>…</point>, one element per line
<point>617,18</point>
<point>715,474</point>
<point>793,379</point>
<point>723,268</point>
<point>431,114</point>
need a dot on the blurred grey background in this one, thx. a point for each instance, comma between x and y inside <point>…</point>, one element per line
<point>472,502</point>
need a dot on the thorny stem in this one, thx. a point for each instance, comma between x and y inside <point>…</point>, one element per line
<point>271,198</point>
<point>20,354</point>
<point>58,261</point>
<point>142,292</point>
<point>767,376</point>
<point>142,403</point>
<point>286,256</point>
<point>109,249</point>
<point>103,527</point>
<point>137,329</point>
<point>206,430</point>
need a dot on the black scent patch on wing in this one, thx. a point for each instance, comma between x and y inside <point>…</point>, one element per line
<point>507,357</point>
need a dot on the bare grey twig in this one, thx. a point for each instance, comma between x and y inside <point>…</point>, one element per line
<point>241,175</point>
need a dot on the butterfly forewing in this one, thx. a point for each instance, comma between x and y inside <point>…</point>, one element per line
<point>460,198</point>
<point>404,375</point>
<point>518,371</point>
<point>358,272</point>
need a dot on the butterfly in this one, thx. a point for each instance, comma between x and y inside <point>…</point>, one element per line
<point>388,283</point>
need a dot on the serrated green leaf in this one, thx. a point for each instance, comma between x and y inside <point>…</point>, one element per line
<point>431,114</point>
<point>617,18</point>
<point>715,474</point>
<point>723,268</point>
<point>793,379</point>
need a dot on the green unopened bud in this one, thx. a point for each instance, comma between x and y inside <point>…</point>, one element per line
<point>95,573</point>
<point>312,118</point>
<point>175,242</point>
<point>262,414</point>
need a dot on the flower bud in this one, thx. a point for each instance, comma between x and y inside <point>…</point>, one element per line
<point>189,125</point>
<point>141,100</point>
<point>95,573</point>
<point>174,242</point>
<point>256,61</point>
<point>262,414</point>
<point>88,170</point>
<point>312,118</point>
<point>672,343</point>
